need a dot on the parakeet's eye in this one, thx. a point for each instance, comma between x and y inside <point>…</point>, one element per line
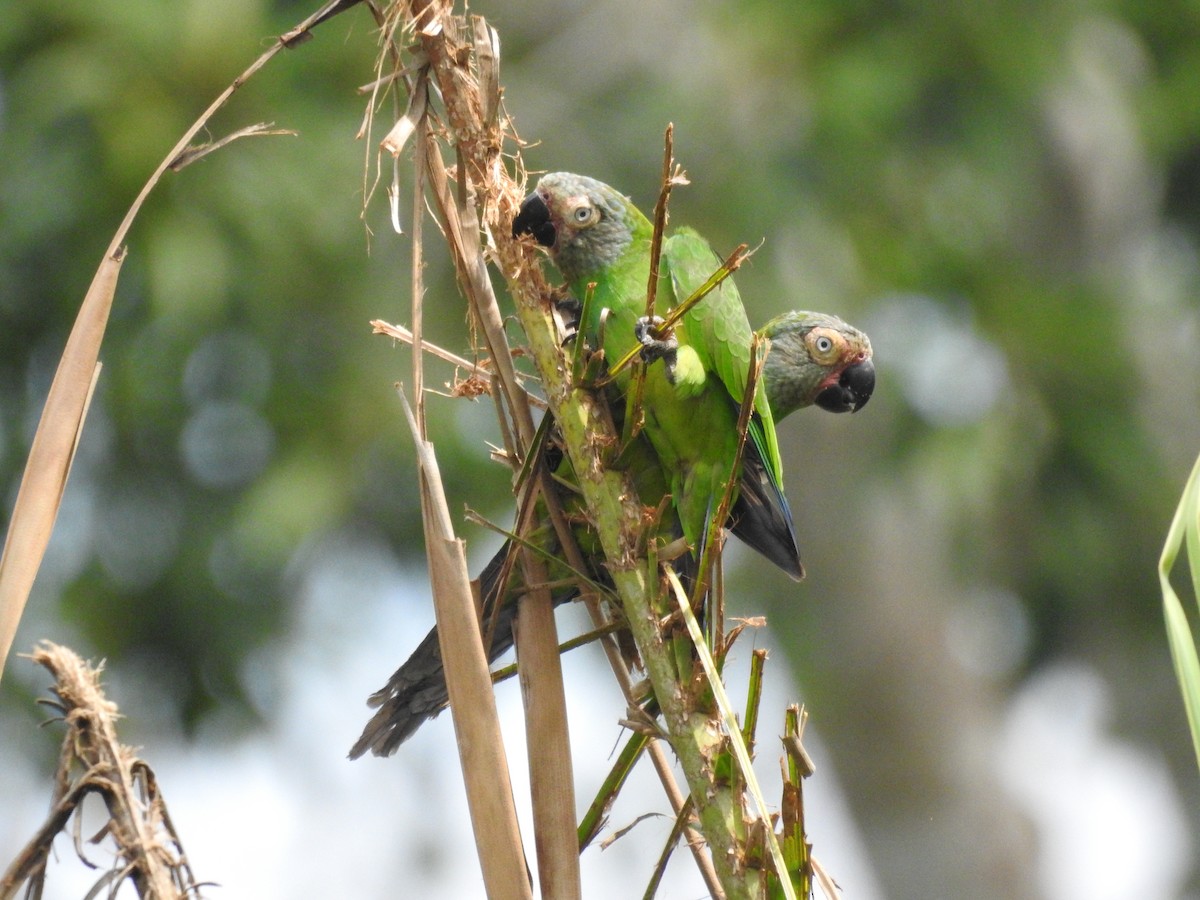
<point>584,215</point>
<point>824,344</point>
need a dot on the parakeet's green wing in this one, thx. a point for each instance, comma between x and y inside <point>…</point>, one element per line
<point>718,330</point>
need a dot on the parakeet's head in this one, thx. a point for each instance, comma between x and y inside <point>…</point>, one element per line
<point>585,224</point>
<point>817,358</point>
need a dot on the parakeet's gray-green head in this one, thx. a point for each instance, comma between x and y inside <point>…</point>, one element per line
<point>817,358</point>
<point>585,224</point>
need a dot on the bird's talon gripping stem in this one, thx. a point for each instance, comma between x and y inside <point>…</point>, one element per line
<point>566,315</point>
<point>657,343</point>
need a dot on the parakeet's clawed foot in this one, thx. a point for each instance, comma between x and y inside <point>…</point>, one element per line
<point>567,311</point>
<point>657,344</point>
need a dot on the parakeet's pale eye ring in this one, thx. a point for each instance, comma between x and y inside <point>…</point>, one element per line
<point>584,214</point>
<point>823,344</point>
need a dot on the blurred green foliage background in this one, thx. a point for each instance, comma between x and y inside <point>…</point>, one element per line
<point>1004,195</point>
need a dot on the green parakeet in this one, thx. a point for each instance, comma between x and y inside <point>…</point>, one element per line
<point>813,359</point>
<point>600,241</point>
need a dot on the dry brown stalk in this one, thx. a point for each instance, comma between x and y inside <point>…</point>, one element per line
<point>472,703</point>
<point>149,852</point>
<point>550,764</point>
<point>485,186</point>
<point>550,767</point>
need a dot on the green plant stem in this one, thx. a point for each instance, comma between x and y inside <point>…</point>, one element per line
<point>618,518</point>
<point>1184,531</point>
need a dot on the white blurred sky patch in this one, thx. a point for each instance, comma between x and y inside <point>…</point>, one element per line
<point>1108,818</point>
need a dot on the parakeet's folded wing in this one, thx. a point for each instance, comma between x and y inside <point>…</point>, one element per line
<point>717,329</point>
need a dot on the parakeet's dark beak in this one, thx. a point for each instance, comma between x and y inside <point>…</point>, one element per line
<point>852,391</point>
<point>534,218</point>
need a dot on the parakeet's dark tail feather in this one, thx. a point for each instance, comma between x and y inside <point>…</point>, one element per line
<point>761,517</point>
<point>417,692</point>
